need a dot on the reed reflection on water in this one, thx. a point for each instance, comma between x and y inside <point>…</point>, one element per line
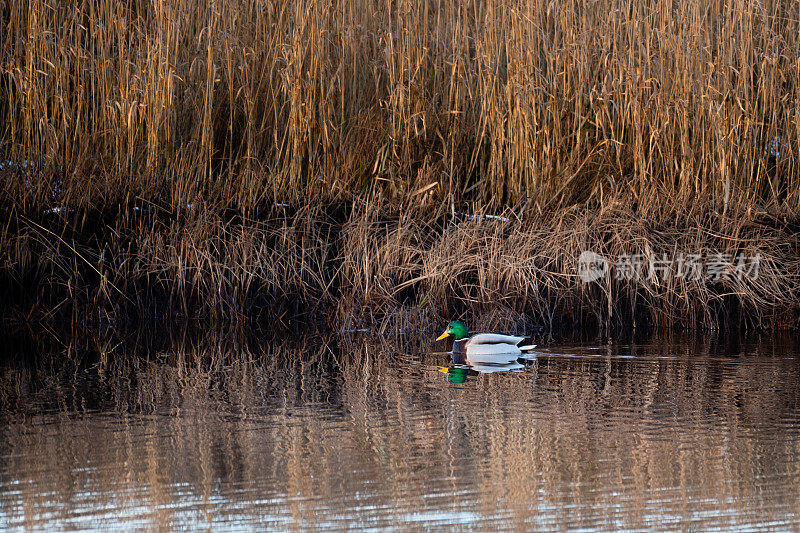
<point>363,434</point>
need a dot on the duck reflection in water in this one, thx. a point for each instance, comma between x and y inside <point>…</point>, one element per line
<point>459,373</point>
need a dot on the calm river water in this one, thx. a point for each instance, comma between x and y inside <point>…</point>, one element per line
<point>359,433</point>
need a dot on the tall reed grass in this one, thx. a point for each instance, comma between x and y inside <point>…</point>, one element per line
<point>165,139</point>
<point>527,104</point>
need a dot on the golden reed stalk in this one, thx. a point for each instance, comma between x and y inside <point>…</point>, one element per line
<point>594,122</point>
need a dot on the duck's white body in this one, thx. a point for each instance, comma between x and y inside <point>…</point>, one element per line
<point>486,346</point>
<point>493,343</point>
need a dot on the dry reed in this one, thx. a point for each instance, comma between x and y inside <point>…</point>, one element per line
<point>170,136</point>
<point>504,103</point>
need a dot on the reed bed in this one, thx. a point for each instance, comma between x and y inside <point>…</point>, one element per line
<point>505,271</point>
<point>391,271</point>
<point>221,157</point>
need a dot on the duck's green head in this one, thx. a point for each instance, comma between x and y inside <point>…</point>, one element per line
<point>456,329</point>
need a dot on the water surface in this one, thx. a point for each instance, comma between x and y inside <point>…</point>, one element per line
<point>364,434</point>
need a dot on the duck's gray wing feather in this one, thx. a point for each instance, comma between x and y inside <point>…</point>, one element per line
<point>494,338</point>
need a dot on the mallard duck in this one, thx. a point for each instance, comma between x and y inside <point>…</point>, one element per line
<point>482,344</point>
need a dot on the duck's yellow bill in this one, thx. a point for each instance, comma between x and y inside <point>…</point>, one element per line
<point>442,336</point>
<point>444,369</point>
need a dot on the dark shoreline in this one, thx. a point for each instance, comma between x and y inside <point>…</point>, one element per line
<point>377,267</point>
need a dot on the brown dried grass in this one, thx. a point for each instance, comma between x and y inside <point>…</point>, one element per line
<point>501,102</point>
<point>616,126</point>
<point>504,272</point>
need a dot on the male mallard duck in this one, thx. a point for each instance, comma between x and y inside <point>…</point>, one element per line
<point>482,344</point>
